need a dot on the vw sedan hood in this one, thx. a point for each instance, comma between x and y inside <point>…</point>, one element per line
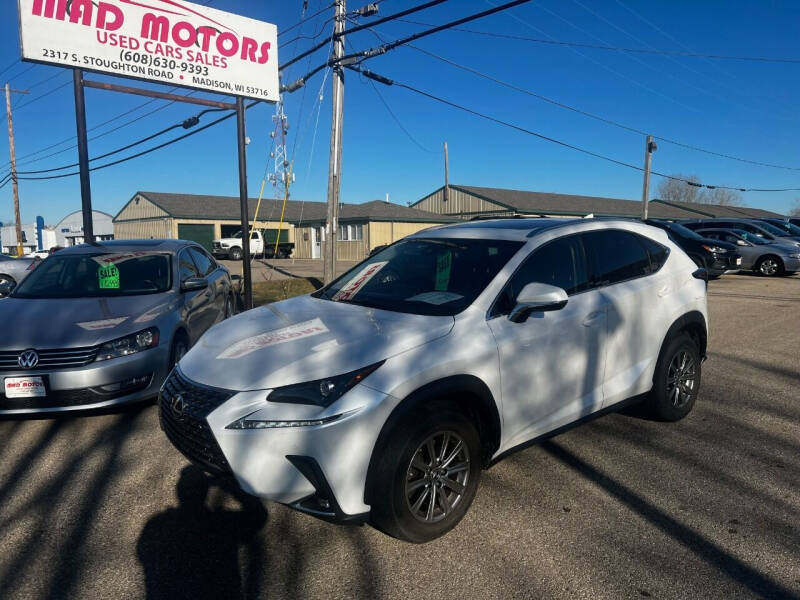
<point>304,339</point>
<point>76,322</point>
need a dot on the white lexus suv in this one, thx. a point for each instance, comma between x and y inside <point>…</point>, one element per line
<point>382,396</point>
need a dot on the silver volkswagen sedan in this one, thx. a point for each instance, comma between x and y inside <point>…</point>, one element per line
<point>102,324</point>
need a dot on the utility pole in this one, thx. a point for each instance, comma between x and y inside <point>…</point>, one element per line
<point>648,157</point>
<point>13,156</point>
<point>335,166</point>
<point>446,175</point>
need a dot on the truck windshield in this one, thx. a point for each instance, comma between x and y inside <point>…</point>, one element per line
<point>98,276</point>
<point>423,276</point>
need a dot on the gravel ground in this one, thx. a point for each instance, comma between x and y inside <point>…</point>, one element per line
<point>103,507</point>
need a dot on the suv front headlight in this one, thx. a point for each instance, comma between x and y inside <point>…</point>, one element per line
<point>715,249</point>
<point>130,344</point>
<point>796,255</point>
<point>322,392</point>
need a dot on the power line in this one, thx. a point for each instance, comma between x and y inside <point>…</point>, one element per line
<point>134,156</point>
<point>687,54</point>
<point>358,57</point>
<point>597,117</point>
<point>519,128</point>
<point>41,96</point>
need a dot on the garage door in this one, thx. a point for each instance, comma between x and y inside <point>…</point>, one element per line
<point>202,234</point>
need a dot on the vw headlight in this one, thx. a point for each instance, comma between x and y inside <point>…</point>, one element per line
<point>715,249</point>
<point>130,344</point>
<point>322,392</point>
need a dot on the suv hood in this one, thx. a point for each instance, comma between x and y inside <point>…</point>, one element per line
<point>304,339</point>
<point>77,322</point>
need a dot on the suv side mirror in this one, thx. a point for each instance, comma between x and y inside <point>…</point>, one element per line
<point>6,287</point>
<point>537,297</point>
<point>741,243</point>
<point>193,284</point>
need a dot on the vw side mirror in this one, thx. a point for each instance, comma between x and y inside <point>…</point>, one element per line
<point>537,297</point>
<point>194,284</point>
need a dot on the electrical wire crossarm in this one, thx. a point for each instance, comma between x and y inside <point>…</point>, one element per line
<point>386,81</point>
<point>357,57</point>
<point>395,16</point>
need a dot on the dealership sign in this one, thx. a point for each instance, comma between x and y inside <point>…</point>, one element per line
<point>165,41</point>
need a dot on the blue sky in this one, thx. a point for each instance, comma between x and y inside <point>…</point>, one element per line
<point>747,109</point>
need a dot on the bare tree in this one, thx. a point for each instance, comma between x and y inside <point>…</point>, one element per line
<point>673,190</point>
<point>794,211</point>
<point>722,197</point>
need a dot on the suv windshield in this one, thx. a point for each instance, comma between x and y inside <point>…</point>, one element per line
<point>98,276</point>
<point>423,276</point>
<point>777,231</point>
<point>791,229</point>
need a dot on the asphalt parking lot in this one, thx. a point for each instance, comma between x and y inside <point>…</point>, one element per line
<point>104,507</point>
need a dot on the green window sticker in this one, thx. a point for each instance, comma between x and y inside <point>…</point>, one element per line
<point>109,277</point>
<point>444,262</point>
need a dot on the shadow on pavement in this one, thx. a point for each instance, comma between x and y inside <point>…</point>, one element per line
<point>194,549</point>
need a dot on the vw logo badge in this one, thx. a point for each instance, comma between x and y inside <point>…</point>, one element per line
<point>178,405</point>
<point>28,359</point>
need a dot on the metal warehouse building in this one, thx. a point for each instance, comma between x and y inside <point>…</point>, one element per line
<point>466,202</point>
<point>362,227</point>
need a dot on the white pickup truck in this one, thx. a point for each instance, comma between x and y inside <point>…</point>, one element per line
<point>262,243</point>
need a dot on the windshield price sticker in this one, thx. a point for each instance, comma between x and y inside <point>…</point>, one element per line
<point>352,287</point>
<point>444,263</point>
<point>109,277</point>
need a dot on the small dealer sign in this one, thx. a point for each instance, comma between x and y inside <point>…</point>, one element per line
<point>165,41</point>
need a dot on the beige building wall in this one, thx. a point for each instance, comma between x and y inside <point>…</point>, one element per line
<point>460,203</point>
<point>144,230</point>
<point>140,208</point>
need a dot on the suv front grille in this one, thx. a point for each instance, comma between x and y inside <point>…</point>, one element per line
<point>217,245</point>
<point>50,359</point>
<point>185,422</point>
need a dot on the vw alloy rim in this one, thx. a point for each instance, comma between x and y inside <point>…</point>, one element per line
<point>437,477</point>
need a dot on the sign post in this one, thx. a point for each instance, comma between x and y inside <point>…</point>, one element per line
<point>83,157</point>
<point>161,41</point>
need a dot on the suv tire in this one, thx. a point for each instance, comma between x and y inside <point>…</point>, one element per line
<point>676,381</point>
<point>236,254</point>
<point>418,497</point>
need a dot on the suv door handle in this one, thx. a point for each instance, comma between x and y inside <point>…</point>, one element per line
<point>593,318</point>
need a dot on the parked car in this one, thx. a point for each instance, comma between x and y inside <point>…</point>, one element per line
<point>718,257</point>
<point>102,324</point>
<point>794,221</point>
<point>764,230</point>
<point>767,258</point>
<point>260,245</point>
<point>383,395</point>
<point>14,270</point>
<point>787,226</point>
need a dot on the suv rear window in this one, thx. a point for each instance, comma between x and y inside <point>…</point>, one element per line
<point>615,256</point>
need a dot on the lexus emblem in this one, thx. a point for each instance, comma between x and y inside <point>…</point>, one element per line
<point>28,359</point>
<point>178,405</point>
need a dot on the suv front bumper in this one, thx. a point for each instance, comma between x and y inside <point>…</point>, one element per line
<point>318,469</point>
